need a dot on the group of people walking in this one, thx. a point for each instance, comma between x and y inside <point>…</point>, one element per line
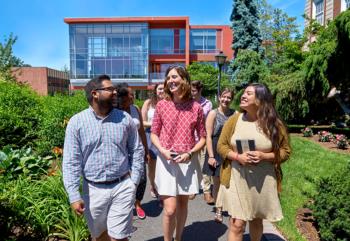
<point>233,156</point>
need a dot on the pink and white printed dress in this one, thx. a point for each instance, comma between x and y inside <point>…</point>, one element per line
<point>175,124</point>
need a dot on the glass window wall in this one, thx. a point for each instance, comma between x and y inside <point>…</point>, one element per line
<point>118,50</point>
<point>203,41</point>
<point>162,41</point>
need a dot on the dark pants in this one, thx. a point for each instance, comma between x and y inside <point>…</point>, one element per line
<point>141,188</point>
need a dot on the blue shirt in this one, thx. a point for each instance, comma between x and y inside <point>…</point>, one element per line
<point>100,149</point>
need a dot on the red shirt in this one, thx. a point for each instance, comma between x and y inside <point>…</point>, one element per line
<point>175,124</point>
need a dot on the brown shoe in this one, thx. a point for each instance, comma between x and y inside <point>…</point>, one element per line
<point>192,196</point>
<point>208,198</point>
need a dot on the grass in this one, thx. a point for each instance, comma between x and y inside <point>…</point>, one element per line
<point>308,163</point>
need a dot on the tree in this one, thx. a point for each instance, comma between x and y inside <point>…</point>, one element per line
<point>7,59</point>
<point>327,64</point>
<point>249,67</point>
<point>208,75</point>
<point>245,19</point>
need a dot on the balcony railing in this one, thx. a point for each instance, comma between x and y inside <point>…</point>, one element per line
<point>205,51</point>
<point>167,51</point>
<point>157,77</point>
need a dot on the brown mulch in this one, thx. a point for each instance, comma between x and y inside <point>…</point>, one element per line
<point>328,145</point>
<point>306,224</point>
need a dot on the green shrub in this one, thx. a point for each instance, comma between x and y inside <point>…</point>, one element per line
<point>57,110</point>
<point>44,206</point>
<point>23,162</point>
<point>331,207</point>
<point>20,112</point>
<point>139,103</point>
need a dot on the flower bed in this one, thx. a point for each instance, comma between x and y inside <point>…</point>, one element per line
<point>307,132</point>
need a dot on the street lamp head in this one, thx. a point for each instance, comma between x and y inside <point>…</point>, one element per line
<point>220,58</point>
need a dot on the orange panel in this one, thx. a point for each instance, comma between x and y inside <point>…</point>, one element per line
<point>153,20</point>
<point>167,58</point>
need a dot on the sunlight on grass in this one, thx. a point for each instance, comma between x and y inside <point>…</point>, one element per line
<point>308,163</point>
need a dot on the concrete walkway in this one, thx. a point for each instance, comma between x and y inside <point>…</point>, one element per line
<point>199,226</point>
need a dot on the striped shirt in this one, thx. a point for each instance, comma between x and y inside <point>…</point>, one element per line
<point>100,149</point>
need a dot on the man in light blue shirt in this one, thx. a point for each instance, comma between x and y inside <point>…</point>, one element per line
<point>102,146</point>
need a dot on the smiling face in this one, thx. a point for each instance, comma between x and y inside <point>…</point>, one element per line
<point>225,99</point>
<point>248,99</point>
<point>177,84</point>
<point>160,91</point>
<point>174,82</point>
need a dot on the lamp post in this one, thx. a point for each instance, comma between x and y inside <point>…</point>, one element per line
<point>220,60</point>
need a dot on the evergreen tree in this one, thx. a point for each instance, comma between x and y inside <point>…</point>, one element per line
<point>245,26</point>
<point>7,59</point>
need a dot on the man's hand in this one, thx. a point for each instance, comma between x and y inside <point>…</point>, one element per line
<point>78,207</point>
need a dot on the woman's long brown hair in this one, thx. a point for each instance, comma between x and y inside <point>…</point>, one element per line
<point>185,85</point>
<point>267,115</point>
<point>154,97</point>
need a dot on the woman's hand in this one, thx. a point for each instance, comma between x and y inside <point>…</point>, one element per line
<point>212,162</point>
<point>184,157</point>
<point>147,158</point>
<point>166,154</point>
<point>256,156</point>
<point>244,159</point>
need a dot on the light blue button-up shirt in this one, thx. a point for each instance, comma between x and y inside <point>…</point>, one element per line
<point>100,149</point>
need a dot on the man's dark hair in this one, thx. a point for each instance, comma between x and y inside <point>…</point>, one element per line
<point>94,84</point>
<point>197,84</point>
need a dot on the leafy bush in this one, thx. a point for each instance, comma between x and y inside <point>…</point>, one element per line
<point>20,112</point>
<point>23,162</point>
<point>43,204</point>
<point>325,136</point>
<point>341,141</point>
<point>307,132</point>
<point>57,110</point>
<point>331,207</point>
<point>139,103</point>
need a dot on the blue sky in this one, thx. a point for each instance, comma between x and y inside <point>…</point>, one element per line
<point>43,35</point>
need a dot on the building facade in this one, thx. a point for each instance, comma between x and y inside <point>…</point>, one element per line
<point>324,10</point>
<point>43,80</point>
<point>138,50</point>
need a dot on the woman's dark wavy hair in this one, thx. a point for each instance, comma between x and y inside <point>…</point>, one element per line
<point>268,118</point>
<point>185,85</point>
<point>122,92</point>
<point>154,97</point>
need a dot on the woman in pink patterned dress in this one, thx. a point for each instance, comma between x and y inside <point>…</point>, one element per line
<point>178,173</point>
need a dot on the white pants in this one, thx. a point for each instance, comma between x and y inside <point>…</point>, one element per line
<point>109,207</point>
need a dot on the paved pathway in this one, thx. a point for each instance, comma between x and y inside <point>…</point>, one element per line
<point>199,226</point>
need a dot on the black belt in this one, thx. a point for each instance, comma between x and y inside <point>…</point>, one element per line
<point>114,181</point>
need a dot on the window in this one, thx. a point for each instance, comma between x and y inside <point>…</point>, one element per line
<point>318,10</point>
<point>118,50</point>
<point>203,40</point>
<point>162,41</point>
<point>345,4</point>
